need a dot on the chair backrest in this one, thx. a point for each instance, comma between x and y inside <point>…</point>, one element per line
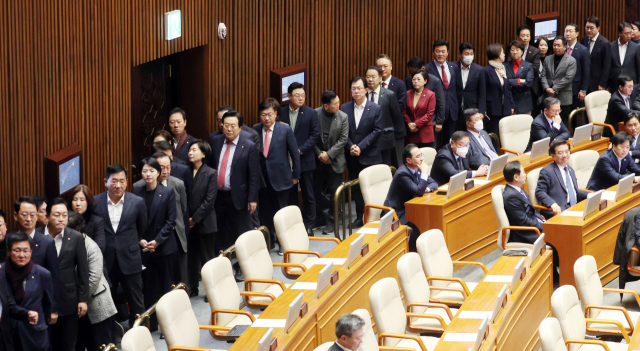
<point>253,256</point>
<point>588,284</point>
<point>221,288</point>
<point>551,335</point>
<point>387,308</point>
<point>435,257</point>
<point>374,184</point>
<point>137,339</point>
<point>515,132</point>
<point>413,280</point>
<point>596,104</point>
<point>177,320</point>
<point>291,232</point>
<point>369,340</point>
<point>583,163</point>
<point>532,182</point>
<point>429,154</point>
<point>501,215</point>
<point>566,308</point>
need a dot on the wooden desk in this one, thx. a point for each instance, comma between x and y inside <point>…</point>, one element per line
<point>516,326</point>
<point>573,238</point>
<point>350,293</point>
<point>467,220</point>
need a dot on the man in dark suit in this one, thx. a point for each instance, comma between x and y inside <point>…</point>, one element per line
<point>435,84</point>
<point>517,205</point>
<point>548,124</point>
<point>620,103</point>
<point>481,149</point>
<point>349,331</point>
<point>625,56</point>
<point>365,128</point>
<point>181,140</point>
<point>531,54</point>
<point>395,84</point>
<point>470,85</point>
<point>632,127</point>
<point>557,186</point>
<point>583,65</point>
<point>445,70</point>
<point>615,164</point>
<point>452,159</point>
<point>277,146</point>
<point>178,170</point>
<point>557,75</point>
<point>600,55</point>
<point>252,134</point>
<point>303,120</point>
<point>125,217</point>
<point>73,288</point>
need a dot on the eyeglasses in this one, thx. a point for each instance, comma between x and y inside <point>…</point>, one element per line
<point>18,251</point>
<point>563,153</point>
<point>298,96</point>
<point>271,114</point>
<point>26,215</point>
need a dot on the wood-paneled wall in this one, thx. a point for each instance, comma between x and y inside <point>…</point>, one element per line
<point>65,65</point>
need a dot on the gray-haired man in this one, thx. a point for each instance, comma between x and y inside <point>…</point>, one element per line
<point>349,331</point>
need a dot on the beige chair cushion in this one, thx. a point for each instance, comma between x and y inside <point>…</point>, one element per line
<point>501,215</point>
<point>307,263</point>
<point>597,104</point>
<point>532,183</point>
<point>616,316</point>
<point>324,347</point>
<point>429,341</point>
<point>566,308</point>
<point>387,308</point>
<point>221,288</point>
<point>551,335</point>
<point>452,295</point>
<point>369,340</point>
<point>255,261</point>
<point>515,132</point>
<point>583,163</point>
<point>274,289</point>
<point>291,232</point>
<point>612,347</point>
<point>177,320</point>
<point>429,154</point>
<point>374,184</point>
<point>137,339</point>
<point>588,283</point>
<point>436,260</point>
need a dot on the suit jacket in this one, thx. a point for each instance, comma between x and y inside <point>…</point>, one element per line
<point>607,173</point>
<point>600,58</point>
<point>533,57</point>
<point>100,303</point>
<point>245,169</point>
<point>476,155</point>
<point>445,166</point>
<point>123,244</point>
<point>283,159</point>
<point>634,97</point>
<point>336,138</point>
<point>541,129</point>
<point>421,115</point>
<point>183,153</point>
<point>520,212</point>
<point>335,347</point>
<point>583,69</point>
<point>617,110</point>
<point>559,79</point>
<point>306,132</point>
<point>405,187</point>
<point>367,134</point>
<point>635,151</point>
<point>253,136</point>
<point>451,105</point>
<point>499,98</point>
<point>473,94</point>
<point>397,86</point>
<point>73,286</point>
<point>391,119</point>
<point>551,188</point>
<point>521,92</point>
<point>434,85</point>
<point>630,65</point>
<point>201,200</point>
<point>94,229</point>
<point>183,172</point>
<point>161,219</point>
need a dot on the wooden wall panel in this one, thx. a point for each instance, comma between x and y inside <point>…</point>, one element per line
<point>65,65</point>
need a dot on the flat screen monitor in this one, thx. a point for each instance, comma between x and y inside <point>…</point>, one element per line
<point>544,25</point>
<point>625,186</point>
<point>456,184</point>
<point>63,171</point>
<point>539,149</point>
<point>294,312</point>
<point>535,250</point>
<point>385,224</point>
<point>499,301</point>
<point>482,333</point>
<point>497,165</point>
<point>265,341</point>
<point>582,134</point>
<point>324,278</point>
<point>516,275</point>
<point>355,248</point>
<point>283,77</point>
<point>593,203</point>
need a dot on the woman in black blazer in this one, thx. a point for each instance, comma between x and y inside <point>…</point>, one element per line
<point>499,99</point>
<point>81,200</point>
<point>520,74</point>
<point>202,215</point>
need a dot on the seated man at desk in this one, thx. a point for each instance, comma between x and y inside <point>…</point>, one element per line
<point>548,124</point>
<point>557,186</point>
<point>632,127</point>
<point>517,204</point>
<point>349,331</point>
<point>615,164</point>
<point>620,103</point>
<point>481,150</point>
<point>451,160</point>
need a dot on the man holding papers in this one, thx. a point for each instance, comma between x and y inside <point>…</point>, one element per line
<point>548,124</point>
<point>452,159</point>
<point>557,185</point>
<point>481,150</point>
<point>615,164</point>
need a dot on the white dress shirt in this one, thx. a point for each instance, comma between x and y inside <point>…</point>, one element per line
<point>593,42</point>
<point>619,161</point>
<point>57,240</point>
<point>227,175</point>
<point>386,82</point>
<point>115,211</point>
<point>376,95</point>
<point>446,69</point>
<point>464,72</point>
<point>564,179</point>
<point>622,50</point>
<point>358,110</point>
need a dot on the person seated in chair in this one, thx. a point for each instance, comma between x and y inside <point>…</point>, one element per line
<point>517,205</point>
<point>615,164</point>
<point>349,331</point>
<point>548,124</point>
<point>451,160</point>
<point>632,127</point>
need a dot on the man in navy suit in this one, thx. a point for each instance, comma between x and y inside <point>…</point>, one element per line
<point>452,159</point>
<point>620,103</point>
<point>397,86</point>
<point>445,70</point>
<point>548,124</point>
<point>365,128</point>
<point>178,170</point>
<point>470,85</point>
<point>435,85</point>
<point>615,164</point>
<point>181,140</point>
<point>583,69</point>
<point>517,205</point>
<point>557,186</point>
<point>599,53</point>
<point>625,56</point>
<point>632,127</point>
<point>303,120</point>
<point>277,146</point>
<point>481,149</point>
<point>245,130</point>
<point>531,54</point>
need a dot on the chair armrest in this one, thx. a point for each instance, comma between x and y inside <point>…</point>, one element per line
<point>515,227</point>
<point>608,321</point>
<point>586,190</point>
<point>247,287</point>
<point>415,338</point>
<point>451,279</point>
<point>540,207</point>
<point>303,252</point>
<point>472,263</point>
<point>317,238</point>
<point>223,310</point>
<point>258,294</point>
<point>587,342</point>
<point>611,308</point>
<point>394,348</point>
<point>188,348</point>
<point>613,130</point>
<point>368,206</point>
<point>510,151</point>
<point>446,288</point>
<point>292,265</point>
<point>425,315</point>
<point>624,291</point>
<point>629,267</point>
<point>432,305</point>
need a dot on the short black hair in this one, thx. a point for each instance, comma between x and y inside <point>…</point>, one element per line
<point>21,199</point>
<point>293,86</point>
<point>465,46</point>
<point>406,153</point>
<point>39,200</point>
<point>180,111</point>
<point>493,51</point>
<point>3,215</point>
<point>375,68</point>
<point>517,43</point>
<point>636,23</point>
<point>327,96</point>
<point>357,78</point>
<point>575,26</point>
<point>224,108</point>
<point>459,135</point>
<point>440,42</point>
<point>510,170</point>
<point>469,112</point>
<point>557,142</point>
<point>631,115</point>
<point>561,38</point>
<point>521,28</point>
<point>415,62</point>
<point>424,74</point>
<point>623,79</point>
<point>76,221</point>
<point>624,25</point>
<point>204,147</point>
<point>269,103</point>
<point>593,19</point>
<point>150,161</point>
<point>158,155</point>
<point>620,138</point>
<point>18,237</point>
<point>162,145</point>
<point>383,56</point>
<point>115,168</point>
<point>56,201</point>
<point>236,114</point>
<point>548,101</point>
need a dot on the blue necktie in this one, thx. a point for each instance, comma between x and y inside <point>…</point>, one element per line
<point>417,177</point>
<point>572,195</point>
<point>524,194</point>
<point>460,163</point>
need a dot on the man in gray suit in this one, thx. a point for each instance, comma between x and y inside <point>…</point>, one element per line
<point>330,159</point>
<point>557,76</point>
<point>349,331</point>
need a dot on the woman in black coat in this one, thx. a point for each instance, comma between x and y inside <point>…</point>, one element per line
<point>499,99</point>
<point>81,200</point>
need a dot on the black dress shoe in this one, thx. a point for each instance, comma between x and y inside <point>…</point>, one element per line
<point>328,229</point>
<point>161,336</point>
<point>357,223</point>
<point>194,293</point>
<point>237,274</point>
<point>280,253</point>
<point>309,232</point>
<point>206,299</point>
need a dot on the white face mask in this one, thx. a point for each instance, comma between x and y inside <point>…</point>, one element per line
<point>478,125</point>
<point>462,151</point>
<point>467,60</point>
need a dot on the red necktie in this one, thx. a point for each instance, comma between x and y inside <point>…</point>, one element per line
<point>569,51</point>
<point>222,172</point>
<point>384,85</point>
<point>445,80</point>
<point>267,142</point>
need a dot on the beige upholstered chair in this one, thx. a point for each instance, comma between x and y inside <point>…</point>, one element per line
<point>417,295</point>
<point>591,295</point>
<point>566,308</point>
<point>374,184</point>
<point>514,133</point>
<point>429,154</point>
<point>391,318</point>
<point>257,267</point>
<point>551,338</point>
<point>532,182</point>
<point>293,237</point>
<point>369,340</point>
<point>137,339</point>
<point>503,221</point>
<point>596,104</point>
<point>583,163</point>
<point>438,266</point>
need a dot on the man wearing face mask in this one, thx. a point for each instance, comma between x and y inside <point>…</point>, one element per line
<point>469,83</point>
<point>481,150</point>
<point>548,124</point>
<point>451,160</point>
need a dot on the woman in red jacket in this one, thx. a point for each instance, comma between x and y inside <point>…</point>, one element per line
<point>418,114</point>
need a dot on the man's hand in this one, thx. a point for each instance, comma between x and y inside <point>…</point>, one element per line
<point>252,207</point>
<point>82,309</point>
<point>482,170</point>
<point>152,245</point>
<point>636,179</point>
<point>557,119</point>
<point>424,168</point>
<point>601,88</point>
<point>324,158</point>
<point>54,318</point>
<point>33,317</point>
<point>438,127</point>
<point>295,181</point>
<point>522,80</point>
<point>300,152</point>
<point>582,95</point>
<point>556,209</point>
<point>513,111</point>
<point>144,245</point>
<point>355,150</point>
<point>191,223</point>
<point>550,92</point>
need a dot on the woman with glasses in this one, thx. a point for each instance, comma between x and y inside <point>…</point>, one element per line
<point>418,114</point>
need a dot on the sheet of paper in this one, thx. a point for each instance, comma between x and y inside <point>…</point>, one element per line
<point>304,286</point>
<point>608,195</point>
<point>335,261</point>
<point>444,187</point>
<point>465,337</point>
<point>572,213</point>
<point>475,314</point>
<point>497,279</point>
<point>269,323</point>
<point>367,231</point>
<point>480,181</point>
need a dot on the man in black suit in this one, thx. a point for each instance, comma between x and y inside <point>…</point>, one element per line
<point>435,85</point>
<point>73,288</point>
<point>583,69</point>
<point>125,217</point>
<point>181,140</point>
<point>517,205</point>
<point>41,204</point>
<point>178,170</point>
<point>349,331</point>
<point>452,159</point>
<point>445,70</point>
<point>303,120</point>
<point>632,127</point>
<point>620,103</point>
<point>531,54</point>
<point>3,236</point>
<point>600,54</point>
<point>557,186</point>
<point>625,56</point>
<point>10,312</point>
<point>548,124</point>
<point>470,85</point>
<point>481,149</point>
<point>397,86</point>
<point>365,128</point>
<point>252,134</point>
<point>615,164</point>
